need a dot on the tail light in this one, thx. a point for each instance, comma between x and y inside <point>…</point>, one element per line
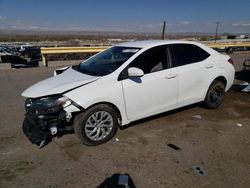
<point>231,61</point>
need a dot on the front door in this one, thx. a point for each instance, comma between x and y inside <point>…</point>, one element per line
<point>156,91</point>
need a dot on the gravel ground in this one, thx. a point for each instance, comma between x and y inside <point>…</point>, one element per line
<point>214,145</point>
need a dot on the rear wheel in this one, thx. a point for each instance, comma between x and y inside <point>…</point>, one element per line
<point>96,125</point>
<point>214,95</point>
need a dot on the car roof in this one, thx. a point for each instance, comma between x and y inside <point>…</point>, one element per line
<point>152,43</point>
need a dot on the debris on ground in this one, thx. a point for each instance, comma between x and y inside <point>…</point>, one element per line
<point>199,170</point>
<point>174,147</point>
<point>239,124</point>
<point>123,180</point>
<point>197,116</point>
<point>117,139</point>
<point>118,180</point>
<point>193,142</point>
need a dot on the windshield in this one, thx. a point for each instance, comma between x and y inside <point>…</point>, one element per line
<point>107,61</point>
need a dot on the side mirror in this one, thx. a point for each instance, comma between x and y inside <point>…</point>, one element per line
<point>135,72</point>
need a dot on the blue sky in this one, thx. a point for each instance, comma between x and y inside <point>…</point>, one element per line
<point>126,15</point>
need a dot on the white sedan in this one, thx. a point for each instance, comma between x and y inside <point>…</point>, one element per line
<point>124,83</point>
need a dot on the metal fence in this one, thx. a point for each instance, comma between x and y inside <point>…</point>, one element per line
<point>95,49</point>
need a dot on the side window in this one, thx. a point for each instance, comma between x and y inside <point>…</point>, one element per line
<point>152,60</point>
<point>187,53</point>
<point>204,54</point>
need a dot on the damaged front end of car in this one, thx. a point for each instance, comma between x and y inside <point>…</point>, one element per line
<point>47,116</point>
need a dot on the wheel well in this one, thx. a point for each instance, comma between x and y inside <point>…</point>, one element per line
<point>222,79</point>
<point>112,105</point>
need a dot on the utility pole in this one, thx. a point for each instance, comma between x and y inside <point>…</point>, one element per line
<point>216,33</point>
<point>163,30</point>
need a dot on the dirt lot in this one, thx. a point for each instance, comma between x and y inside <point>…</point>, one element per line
<point>214,150</point>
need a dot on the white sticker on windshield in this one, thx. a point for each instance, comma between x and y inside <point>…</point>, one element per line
<point>130,50</point>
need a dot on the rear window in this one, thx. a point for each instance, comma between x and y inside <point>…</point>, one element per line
<point>187,53</point>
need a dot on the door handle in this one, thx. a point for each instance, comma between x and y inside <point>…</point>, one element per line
<point>209,66</point>
<point>170,76</point>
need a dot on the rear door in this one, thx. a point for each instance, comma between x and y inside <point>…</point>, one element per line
<point>154,92</point>
<point>195,69</point>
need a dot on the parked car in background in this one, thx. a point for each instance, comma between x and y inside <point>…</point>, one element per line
<point>8,50</point>
<point>31,51</point>
<point>4,51</point>
<point>244,75</point>
<point>246,64</point>
<point>22,58</point>
<point>122,84</point>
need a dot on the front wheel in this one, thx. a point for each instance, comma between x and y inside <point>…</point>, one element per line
<point>214,95</point>
<point>96,125</point>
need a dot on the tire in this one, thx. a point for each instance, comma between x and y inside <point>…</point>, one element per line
<point>96,125</point>
<point>214,95</point>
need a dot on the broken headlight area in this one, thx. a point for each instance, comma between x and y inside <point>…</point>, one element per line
<point>46,117</point>
<point>46,105</point>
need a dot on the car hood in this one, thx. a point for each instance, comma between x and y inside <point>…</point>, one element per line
<point>68,80</point>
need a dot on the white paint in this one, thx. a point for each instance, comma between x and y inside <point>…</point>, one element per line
<point>140,97</point>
